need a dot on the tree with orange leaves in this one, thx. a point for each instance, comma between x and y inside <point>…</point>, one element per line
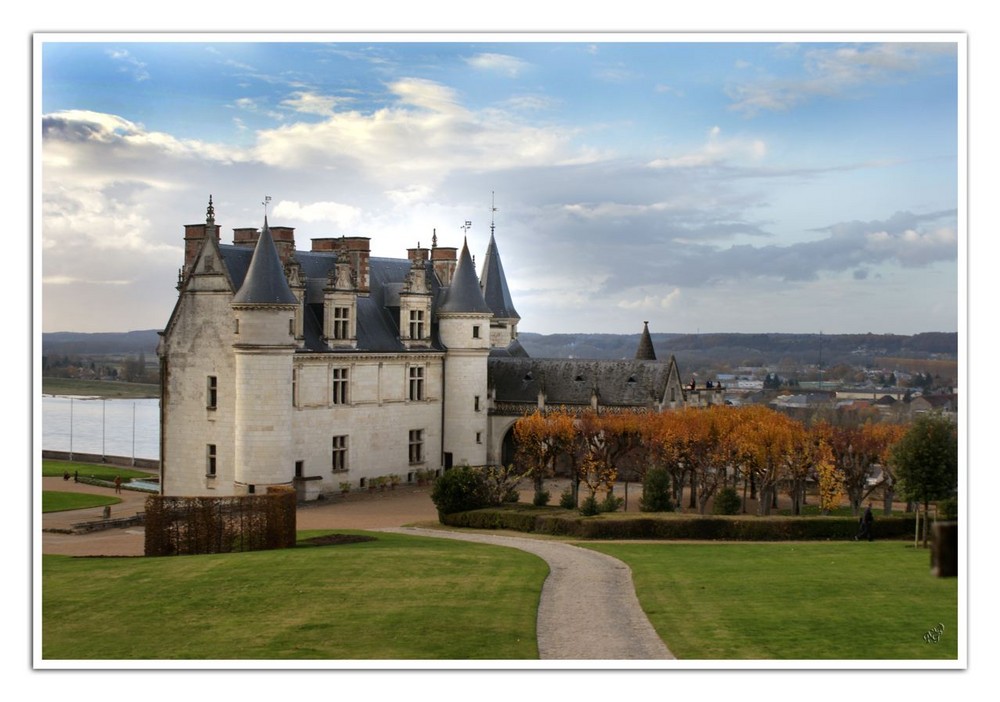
<point>857,450</point>
<point>764,442</point>
<point>541,438</point>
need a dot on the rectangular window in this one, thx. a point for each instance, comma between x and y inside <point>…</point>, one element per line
<point>479,437</point>
<point>416,383</point>
<point>341,322</point>
<point>212,401</point>
<point>475,331</point>
<point>300,468</point>
<point>339,454</point>
<point>291,326</point>
<point>416,324</point>
<point>210,463</point>
<point>340,386</point>
<point>477,403</point>
<point>416,446</point>
<point>236,329</point>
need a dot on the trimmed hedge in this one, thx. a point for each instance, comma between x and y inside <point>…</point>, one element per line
<point>560,522</point>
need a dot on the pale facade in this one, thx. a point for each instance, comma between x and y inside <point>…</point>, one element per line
<point>326,367</point>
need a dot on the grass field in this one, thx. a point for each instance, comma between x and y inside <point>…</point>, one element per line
<point>101,471</point>
<point>53,501</point>
<point>398,597</point>
<point>99,388</point>
<point>788,601</point>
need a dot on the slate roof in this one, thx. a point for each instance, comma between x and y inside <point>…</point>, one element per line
<point>645,352</point>
<point>572,381</point>
<point>494,284</point>
<point>464,293</point>
<point>264,282</point>
<point>377,314</point>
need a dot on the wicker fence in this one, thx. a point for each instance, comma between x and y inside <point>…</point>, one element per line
<point>189,525</point>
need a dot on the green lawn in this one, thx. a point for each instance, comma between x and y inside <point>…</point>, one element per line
<point>99,388</point>
<point>62,501</point>
<point>101,471</point>
<point>786,601</point>
<point>399,597</point>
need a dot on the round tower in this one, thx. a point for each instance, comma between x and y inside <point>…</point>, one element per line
<point>464,329</point>
<point>265,341</point>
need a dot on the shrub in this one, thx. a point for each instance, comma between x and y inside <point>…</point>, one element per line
<point>610,503</point>
<point>948,509</point>
<point>542,498</point>
<point>727,501</point>
<point>589,507</point>
<point>656,491</point>
<point>459,490</point>
<point>566,500</point>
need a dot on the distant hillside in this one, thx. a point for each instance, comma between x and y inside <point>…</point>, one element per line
<point>698,350</point>
<point>105,344</point>
<point>692,350</point>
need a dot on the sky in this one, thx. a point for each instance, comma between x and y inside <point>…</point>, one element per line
<point>703,183</point>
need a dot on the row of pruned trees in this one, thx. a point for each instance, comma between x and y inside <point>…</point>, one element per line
<point>752,448</point>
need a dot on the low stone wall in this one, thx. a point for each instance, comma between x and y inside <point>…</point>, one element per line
<point>126,461</point>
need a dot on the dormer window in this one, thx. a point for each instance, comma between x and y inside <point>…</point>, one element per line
<point>341,322</point>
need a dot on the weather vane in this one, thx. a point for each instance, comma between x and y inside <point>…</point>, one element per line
<point>466,227</point>
<point>267,201</point>
<point>493,210</point>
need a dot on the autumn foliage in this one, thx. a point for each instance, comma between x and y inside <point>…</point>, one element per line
<point>706,449</point>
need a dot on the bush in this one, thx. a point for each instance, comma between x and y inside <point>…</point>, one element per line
<point>948,509</point>
<point>727,501</point>
<point>590,507</point>
<point>459,490</point>
<point>566,500</point>
<point>656,491</point>
<point>611,503</point>
<point>542,498</point>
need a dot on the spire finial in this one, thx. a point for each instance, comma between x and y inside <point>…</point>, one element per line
<point>434,239</point>
<point>493,210</point>
<point>267,201</point>
<point>466,227</point>
<point>210,212</point>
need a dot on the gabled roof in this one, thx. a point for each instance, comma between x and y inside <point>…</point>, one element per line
<point>464,294</point>
<point>494,284</point>
<point>265,282</point>
<point>574,381</point>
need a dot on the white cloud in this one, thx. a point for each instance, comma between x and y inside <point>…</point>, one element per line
<point>715,150</point>
<point>334,212</point>
<point>312,103</point>
<point>510,66</point>
<point>130,64</point>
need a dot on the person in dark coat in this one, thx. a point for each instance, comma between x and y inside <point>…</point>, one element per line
<point>865,530</point>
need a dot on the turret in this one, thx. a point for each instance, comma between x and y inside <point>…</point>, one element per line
<point>463,323</point>
<point>265,309</point>
<point>503,326</point>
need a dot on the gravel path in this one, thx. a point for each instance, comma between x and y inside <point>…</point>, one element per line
<point>588,609</point>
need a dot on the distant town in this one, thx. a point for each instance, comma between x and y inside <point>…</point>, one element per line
<point>796,373</point>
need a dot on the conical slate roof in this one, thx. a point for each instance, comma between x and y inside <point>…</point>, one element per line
<point>464,294</point>
<point>645,351</point>
<point>265,282</point>
<point>494,284</point>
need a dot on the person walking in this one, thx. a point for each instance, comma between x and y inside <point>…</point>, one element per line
<point>118,484</point>
<point>866,522</point>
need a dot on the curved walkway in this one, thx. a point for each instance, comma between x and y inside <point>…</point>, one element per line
<point>588,609</point>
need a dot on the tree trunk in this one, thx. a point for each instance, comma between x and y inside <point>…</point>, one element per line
<point>693,499</point>
<point>887,496</point>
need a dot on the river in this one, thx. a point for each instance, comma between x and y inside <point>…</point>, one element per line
<point>106,427</point>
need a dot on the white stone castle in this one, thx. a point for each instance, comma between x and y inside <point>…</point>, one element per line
<point>327,368</point>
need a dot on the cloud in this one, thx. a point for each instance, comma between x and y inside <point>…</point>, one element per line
<point>312,103</point>
<point>510,66</point>
<point>341,215</point>
<point>130,64</point>
<point>834,72</point>
<point>714,151</point>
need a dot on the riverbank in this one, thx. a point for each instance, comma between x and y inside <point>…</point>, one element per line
<point>100,388</point>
